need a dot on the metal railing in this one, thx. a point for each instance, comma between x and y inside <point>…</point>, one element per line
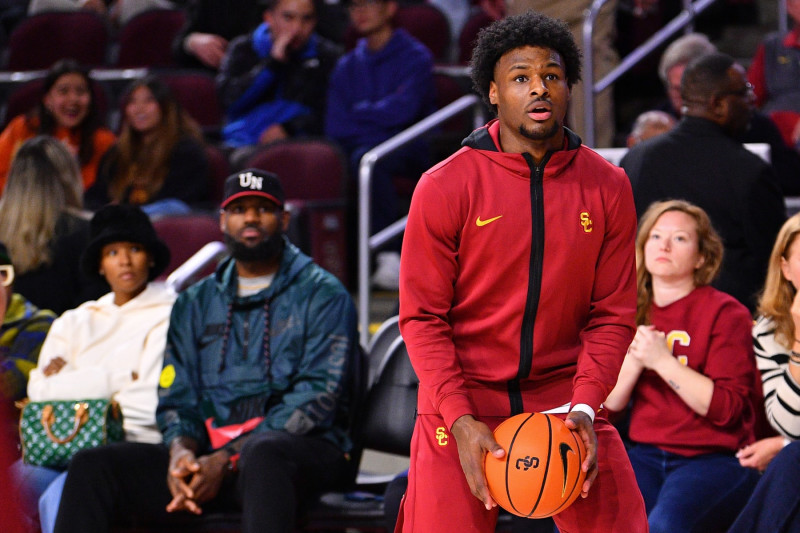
<point>367,243</point>
<point>683,21</point>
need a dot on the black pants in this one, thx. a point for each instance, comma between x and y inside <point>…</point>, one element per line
<point>126,483</point>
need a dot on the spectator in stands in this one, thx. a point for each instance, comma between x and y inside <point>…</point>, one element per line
<point>67,112</point>
<point>255,391</point>
<point>774,505</point>
<point>775,75</point>
<point>273,81</point>
<point>691,376</point>
<point>21,334</point>
<point>159,161</point>
<point>44,227</point>
<point>376,91</point>
<point>761,129</point>
<point>210,25</point>
<point>650,124</point>
<point>113,346</point>
<point>701,161</point>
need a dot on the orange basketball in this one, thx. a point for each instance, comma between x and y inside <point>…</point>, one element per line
<point>540,474</point>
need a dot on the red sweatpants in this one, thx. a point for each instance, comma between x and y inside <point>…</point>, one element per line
<point>438,497</point>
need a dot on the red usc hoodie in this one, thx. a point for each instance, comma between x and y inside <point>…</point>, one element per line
<point>517,282</point>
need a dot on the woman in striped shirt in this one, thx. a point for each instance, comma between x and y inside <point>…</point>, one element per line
<point>775,504</point>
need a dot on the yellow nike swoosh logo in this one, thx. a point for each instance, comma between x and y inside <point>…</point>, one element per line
<point>481,223</point>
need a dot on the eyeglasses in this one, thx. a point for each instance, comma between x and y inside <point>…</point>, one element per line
<point>741,92</point>
<point>6,275</point>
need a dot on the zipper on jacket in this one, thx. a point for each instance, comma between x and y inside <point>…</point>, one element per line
<point>534,283</point>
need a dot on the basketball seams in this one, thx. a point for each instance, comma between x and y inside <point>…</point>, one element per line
<point>546,464</point>
<point>508,456</point>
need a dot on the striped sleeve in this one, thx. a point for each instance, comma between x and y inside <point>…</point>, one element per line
<point>781,391</point>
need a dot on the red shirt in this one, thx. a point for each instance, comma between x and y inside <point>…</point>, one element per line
<point>709,331</point>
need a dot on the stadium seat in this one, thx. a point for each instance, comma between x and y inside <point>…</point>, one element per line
<point>466,41</point>
<point>146,39</point>
<point>314,175</point>
<point>184,235</point>
<point>219,170</point>
<point>197,93</point>
<point>40,40</point>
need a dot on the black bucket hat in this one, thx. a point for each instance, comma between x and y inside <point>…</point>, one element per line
<point>123,223</point>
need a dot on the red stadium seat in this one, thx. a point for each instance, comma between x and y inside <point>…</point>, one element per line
<point>40,40</point>
<point>184,235</point>
<point>196,91</point>
<point>466,41</point>
<point>146,39</point>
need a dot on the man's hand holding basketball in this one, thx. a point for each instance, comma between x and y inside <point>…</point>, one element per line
<point>475,440</point>
<point>581,423</point>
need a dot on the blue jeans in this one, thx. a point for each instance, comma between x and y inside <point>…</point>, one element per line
<point>691,494</point>
<point>48,503</point>
<point>774,506</point>
<point>31,482</point>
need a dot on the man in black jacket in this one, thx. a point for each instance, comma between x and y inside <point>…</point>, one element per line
<point>273,81</point>
<point>701,161</point>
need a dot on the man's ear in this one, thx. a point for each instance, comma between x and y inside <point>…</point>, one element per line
<point>492,92</point>
<point>286,216</point>
<point>222,220</point>
<point>720,107</point>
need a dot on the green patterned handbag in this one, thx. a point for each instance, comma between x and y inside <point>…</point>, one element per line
<point>52,432</point>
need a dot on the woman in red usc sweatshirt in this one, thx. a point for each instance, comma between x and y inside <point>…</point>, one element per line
<point>689,376</point>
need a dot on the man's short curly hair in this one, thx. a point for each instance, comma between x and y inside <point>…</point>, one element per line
<point>528,29</point>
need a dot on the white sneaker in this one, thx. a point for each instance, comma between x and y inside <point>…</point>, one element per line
<point>387,273</point>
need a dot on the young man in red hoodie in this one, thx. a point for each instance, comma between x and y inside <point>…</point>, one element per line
<point>518,291</point>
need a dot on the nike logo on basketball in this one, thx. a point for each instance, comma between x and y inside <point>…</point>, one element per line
<point>564,449</point>
<point>480,223</point>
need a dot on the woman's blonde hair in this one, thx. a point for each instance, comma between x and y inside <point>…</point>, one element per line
<point>778,294</point>
<point>146,165</point>
<point>44,181</point>
<point>709,245</point>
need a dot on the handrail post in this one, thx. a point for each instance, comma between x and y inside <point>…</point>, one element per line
<point>589,18</point>
<point>366,168</point>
